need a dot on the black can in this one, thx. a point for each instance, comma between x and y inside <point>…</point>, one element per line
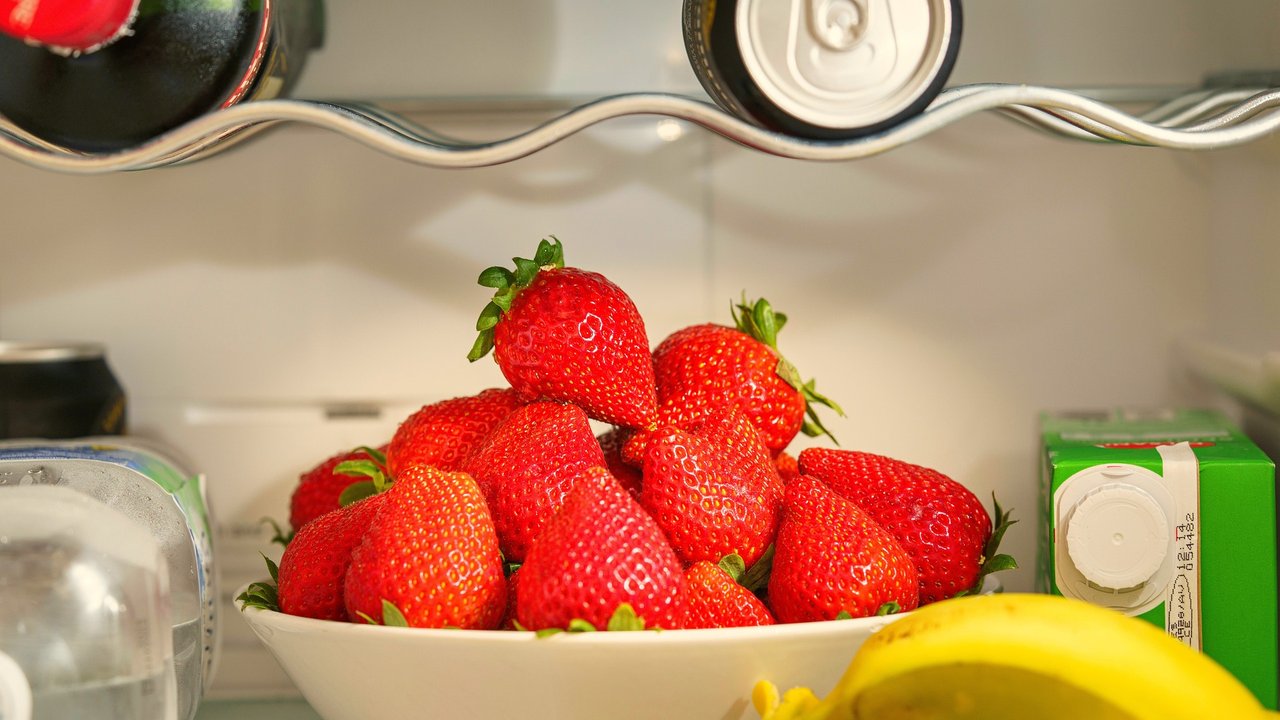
<point>58,391</point>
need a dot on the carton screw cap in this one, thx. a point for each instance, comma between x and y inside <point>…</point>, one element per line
<point>1117,537</point>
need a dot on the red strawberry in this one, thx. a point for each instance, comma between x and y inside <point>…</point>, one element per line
<point>717,600</point>
<point>567,334</point>
<point>788,467</point>
<point>832,557</point>
<point>314,565</point>
<point>599,552</point>
<point>443,434</point>
<point>432,553</point>
<point>612,443</point>
<point>319,488</point>
<point>703,366</point>
<point>938,521</point>
<point>713,491</point>
<point>730,430</point>
<point>527,466</point>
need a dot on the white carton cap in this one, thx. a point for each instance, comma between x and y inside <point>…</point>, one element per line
<point>1117,537</point>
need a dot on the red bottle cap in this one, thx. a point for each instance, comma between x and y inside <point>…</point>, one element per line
<point>70,26</point>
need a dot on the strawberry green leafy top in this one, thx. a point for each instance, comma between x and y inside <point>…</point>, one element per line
<point>759,320</point>
<point>550,254</point>
<point>567,334</point>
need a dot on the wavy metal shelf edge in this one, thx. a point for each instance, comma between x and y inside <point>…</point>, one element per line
<point>1194,121</point>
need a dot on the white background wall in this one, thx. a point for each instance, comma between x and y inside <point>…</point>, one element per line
<point>944,293</point>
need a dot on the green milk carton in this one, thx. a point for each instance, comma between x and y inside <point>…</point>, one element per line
<point>1169,516</point>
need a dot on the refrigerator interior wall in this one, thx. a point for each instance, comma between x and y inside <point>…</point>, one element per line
<point>301,294</point>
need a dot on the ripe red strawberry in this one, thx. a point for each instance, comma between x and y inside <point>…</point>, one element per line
<point>567,334</point>
<point>314,566</point>
<point>319,488</point>
<point>599,552</point>
<point>432,553</point>
<point>788,467</point>
<point>729,429</point>
<point>527,466</point>
<point>938,521</point>
<point>717,600</point>
<point>611,443</point>
<point>832,557</point>
<point>713,491</point>
<point>442,434</point>
<point>702,366</point>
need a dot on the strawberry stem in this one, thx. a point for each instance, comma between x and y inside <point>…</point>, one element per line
<point>263,595</point>
<point>377,455</point>
<point>992,561</point>
<point>506,285</point>
<point>889,608</point>
<point>391,615</point>
<point>356,491</point>
<point>759,320</point>
<point>624,619</point>
<point>756,578</point>
<point>733,566</point>
<point>280,537</point>
<point>374,469</point>
<point>367,468</point>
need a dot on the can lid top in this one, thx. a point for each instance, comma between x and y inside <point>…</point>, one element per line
<point>48,351</point>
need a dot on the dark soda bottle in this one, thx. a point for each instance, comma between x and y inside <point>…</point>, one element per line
<point>103,75</point>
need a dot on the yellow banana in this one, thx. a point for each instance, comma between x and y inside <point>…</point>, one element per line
<point>1020,656</point>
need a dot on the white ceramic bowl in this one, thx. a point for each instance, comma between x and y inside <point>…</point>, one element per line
<point>358,672</point>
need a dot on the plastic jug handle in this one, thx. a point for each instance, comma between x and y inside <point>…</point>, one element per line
<point>15,693</point>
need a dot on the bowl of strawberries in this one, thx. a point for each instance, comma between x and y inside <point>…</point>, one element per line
<point>498,557</point>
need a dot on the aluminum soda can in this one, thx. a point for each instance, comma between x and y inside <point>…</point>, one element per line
<point>58,390</point>
<point>823,69</point>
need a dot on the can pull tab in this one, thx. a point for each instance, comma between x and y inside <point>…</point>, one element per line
<point>838,24</point>
<point>839,50</point>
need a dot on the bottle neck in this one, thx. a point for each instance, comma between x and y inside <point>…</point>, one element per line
<point>68,27</point>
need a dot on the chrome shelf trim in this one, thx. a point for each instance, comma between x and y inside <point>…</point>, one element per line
<point>1190,120</point>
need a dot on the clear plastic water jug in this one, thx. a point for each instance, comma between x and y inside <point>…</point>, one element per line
<point>166,502</point>
<point>84,609</point>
